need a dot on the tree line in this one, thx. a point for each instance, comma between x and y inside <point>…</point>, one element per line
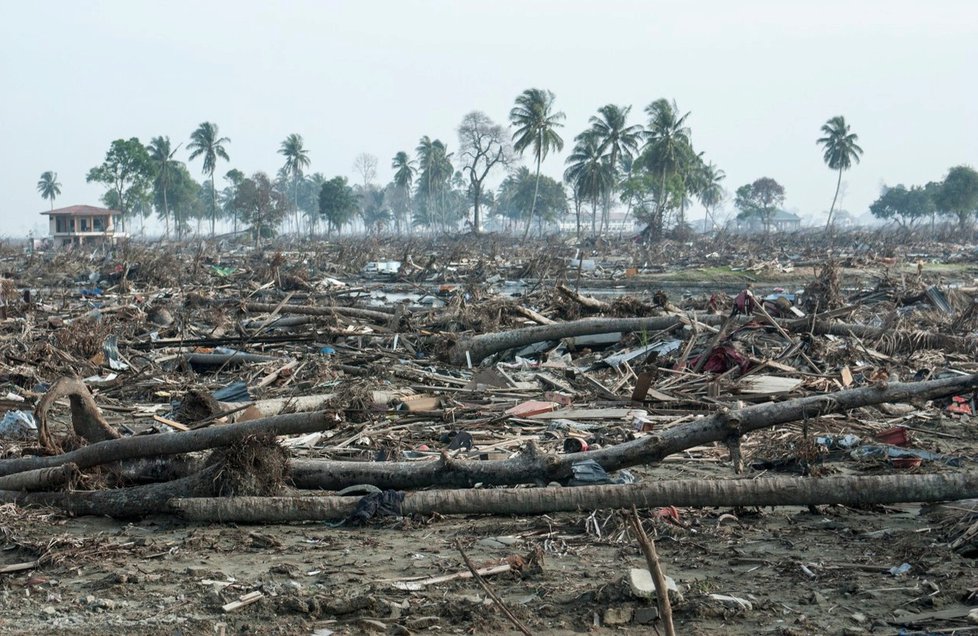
<point>650,169</point>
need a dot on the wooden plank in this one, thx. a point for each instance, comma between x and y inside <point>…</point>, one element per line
<point>247,599</point>
<point>768,384</point>
<point>18,567</point>
<point>176,425</point>
<point>584,414</point>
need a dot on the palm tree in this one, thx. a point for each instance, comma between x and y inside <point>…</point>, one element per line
<point>616,139</point>
<point>161,154</point>
<point>296,160</point>
<point>711,191</point>
<point>536,125</point>
<point>840,152</point>
<point>589,172</point>
<point>434,172</point>
<point>49,187</point>
<point>667,140</point>
<point>404,170</point>
<point>205,142</point>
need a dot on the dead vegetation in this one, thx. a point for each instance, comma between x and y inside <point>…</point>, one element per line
<point>322,381</point>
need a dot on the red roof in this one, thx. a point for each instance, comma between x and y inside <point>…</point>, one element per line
<point>82,210</point>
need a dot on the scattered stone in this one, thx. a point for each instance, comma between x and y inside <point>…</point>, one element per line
<point>49,610</point>
<point>859,617</point>
<point>645,615</point>
<point>732,602</point>
<point>621,615</point>
<point>642,586</point>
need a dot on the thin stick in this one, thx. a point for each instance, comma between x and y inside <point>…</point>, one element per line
<point>658,577</point>
<point>485,586</point>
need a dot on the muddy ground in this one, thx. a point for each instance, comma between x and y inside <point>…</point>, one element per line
<point>830,570</point>
<point>818,571</point>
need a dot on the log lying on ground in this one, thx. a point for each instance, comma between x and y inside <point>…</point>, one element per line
<point>221,359</point>
<point>533,466</point>
<point>173,443</point>
<point>482,346</point>
<point>121,502</point>
<point>311,310</point>
<point>40,479</point>
<point>708,493</point>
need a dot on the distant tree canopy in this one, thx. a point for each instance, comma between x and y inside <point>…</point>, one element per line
<point>337,203</point>
<point>128,174</point>
<point>760,199</point>
<point>515,199</point>
<point>958,195</point>
<point>261,204</point>
<point>905,206</point>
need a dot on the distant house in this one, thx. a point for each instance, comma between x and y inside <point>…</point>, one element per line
<point>781,221</point>
<point>784,221</point>
<point>84,225</point>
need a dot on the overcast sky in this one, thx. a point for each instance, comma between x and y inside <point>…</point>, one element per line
<point>759,78</point>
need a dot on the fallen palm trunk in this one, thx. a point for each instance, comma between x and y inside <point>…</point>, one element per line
<point>482,346</point>
<point>708,493</point>
<point>311,310</point>
<point>40,479</point>
<point>173,443</point>
<point>121,502</point>
<point>533,466</point>
<point>221,359</point>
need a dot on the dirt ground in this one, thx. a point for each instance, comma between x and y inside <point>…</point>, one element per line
<point>802,571</point>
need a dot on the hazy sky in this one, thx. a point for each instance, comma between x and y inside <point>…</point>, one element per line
<point>759,77</point>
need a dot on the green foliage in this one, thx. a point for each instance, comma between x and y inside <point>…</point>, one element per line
<point>668,153</point>
<point>760,199</point>
<point>435,203</point>
<point>184,196</point>
<point>516,197</point>
<point>337,203</point>
<point>261,204</point>
<point>840,152</point>
<point>374,210</point>
<point>958,194</point>
<point>49,187</point>
<point>206,142</point>
<point>902,205</point>
<point>589,172</point>
<point>127,173</point>
<point>536,125</point>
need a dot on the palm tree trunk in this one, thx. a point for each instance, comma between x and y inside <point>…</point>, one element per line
<point>838,184</point>
<point>709,493</point>
<point>166,207</point>
<point>533,204</point>
<point>213,203</point>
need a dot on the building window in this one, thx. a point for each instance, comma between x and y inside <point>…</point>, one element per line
<point>84,225</point>
<point>98,223</point>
